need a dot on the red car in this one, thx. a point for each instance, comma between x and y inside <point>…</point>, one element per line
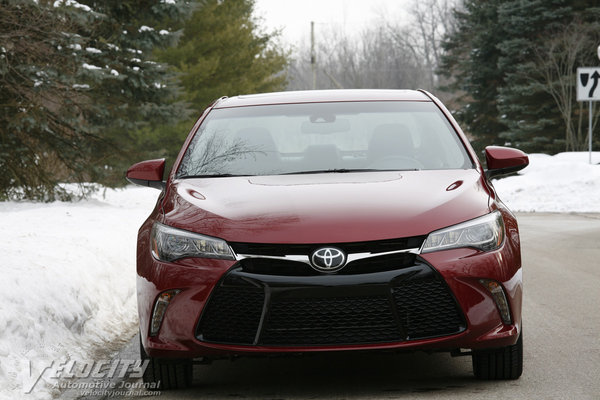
<point>320,221</point>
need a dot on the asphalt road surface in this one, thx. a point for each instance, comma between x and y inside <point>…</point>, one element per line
<point>561,319</point>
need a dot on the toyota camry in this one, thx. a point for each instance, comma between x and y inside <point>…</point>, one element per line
<point>326,221</point>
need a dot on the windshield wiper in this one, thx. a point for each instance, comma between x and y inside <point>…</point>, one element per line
<point>210,176</point>
<point>343,171</point>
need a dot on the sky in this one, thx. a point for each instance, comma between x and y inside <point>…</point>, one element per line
<point>294,16</point>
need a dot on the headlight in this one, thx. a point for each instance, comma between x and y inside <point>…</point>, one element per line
<point>170,244</point>
<point>484,233</point>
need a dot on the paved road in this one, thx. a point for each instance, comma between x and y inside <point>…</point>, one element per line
<point>561,258</point>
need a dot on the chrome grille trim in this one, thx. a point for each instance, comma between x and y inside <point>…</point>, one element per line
<point>306,258</point>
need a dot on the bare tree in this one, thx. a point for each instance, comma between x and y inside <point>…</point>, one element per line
<point>432,19</point>
<point>386,55</point>
<point>553,69</point>
<point>371,59</point>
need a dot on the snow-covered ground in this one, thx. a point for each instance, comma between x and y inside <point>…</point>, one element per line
<point>68,283</point>
<point>565,182</point>
<point>68,269</point>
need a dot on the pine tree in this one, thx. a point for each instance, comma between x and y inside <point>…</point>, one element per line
<point>136,92</point>
<point>471,60</point>
<point>222,52</point>
<point>545,42</point>
<point>41,133</point>
<point>515,63</point>
<point>73,75</point>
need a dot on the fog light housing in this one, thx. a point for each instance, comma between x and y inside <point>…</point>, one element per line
<point>160,307</point>
<point>499,297</point>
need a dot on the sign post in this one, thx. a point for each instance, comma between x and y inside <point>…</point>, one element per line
<point>590,134</point>
<point>588,89</point>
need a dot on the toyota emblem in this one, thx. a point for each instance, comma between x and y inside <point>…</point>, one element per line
<point>328,259</point>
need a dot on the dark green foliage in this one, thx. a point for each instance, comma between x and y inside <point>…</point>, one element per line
<point>515,62</point>
<point>471,58</point>
<point>136,92</point>
<point>75,81</point>
<point>222,52</point>
<point>83,94</point>
<point>42,135</point>
<point>533,122</point>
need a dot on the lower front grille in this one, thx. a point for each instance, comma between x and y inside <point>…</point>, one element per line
<point>250,309</point>
<point>233,315</point>
<point>331,321</point>
<point>426,308</point>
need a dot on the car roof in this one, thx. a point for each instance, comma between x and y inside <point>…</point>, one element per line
<point>319,96</point>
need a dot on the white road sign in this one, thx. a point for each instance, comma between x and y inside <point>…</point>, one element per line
<point>588,84</point>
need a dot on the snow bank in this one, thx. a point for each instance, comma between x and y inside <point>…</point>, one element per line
<point>565,182</point>
<point>68,274</point>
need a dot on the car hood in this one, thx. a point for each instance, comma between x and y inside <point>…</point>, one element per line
<point>326,208</point>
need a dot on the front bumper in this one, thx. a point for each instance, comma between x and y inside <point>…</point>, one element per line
<point>272,310</point>
<point>223,310</point>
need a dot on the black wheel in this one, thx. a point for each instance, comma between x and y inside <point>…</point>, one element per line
<point>165,374</point>
<point>503,363</point>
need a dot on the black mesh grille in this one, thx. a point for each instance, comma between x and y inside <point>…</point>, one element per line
<point>417,307</point>
<point>268,266</point>
<point>331,321</point>
<point>426,308</point>
<point>232,315</point>
<point>377,264</point>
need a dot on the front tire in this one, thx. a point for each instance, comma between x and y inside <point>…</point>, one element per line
<point>165,374</point>
<point>499,364</point>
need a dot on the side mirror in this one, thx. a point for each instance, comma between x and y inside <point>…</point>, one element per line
<point>147,173</point>
<point>504,160</point>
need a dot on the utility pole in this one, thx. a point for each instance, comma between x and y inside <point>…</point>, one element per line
<point>313,56</point>
<point>590,121</point>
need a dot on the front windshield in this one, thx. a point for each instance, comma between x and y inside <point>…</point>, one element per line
<point>322,137</point>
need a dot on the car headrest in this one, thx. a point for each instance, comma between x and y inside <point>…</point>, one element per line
<point>258,138</point>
